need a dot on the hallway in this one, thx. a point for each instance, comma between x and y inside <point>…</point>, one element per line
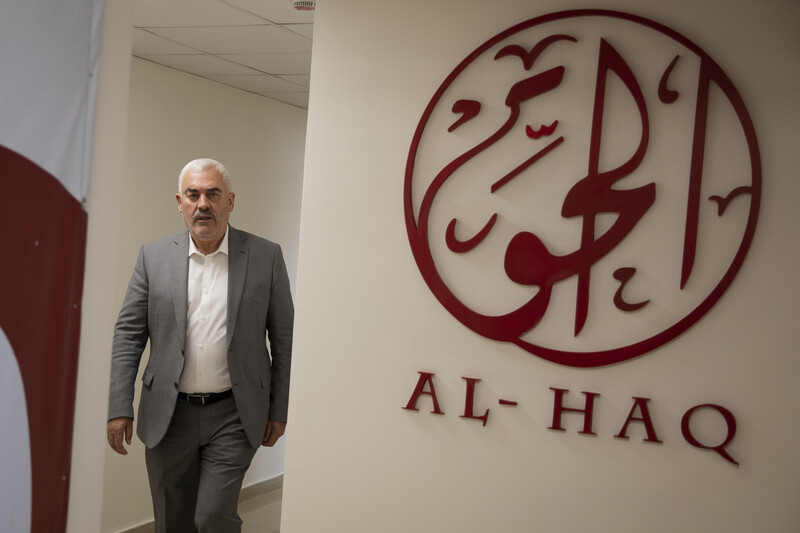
<point>262,513</point>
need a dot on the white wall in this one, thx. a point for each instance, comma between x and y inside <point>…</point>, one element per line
<point>172,118</point>
<point>97,319</point>
<point>366,322</point>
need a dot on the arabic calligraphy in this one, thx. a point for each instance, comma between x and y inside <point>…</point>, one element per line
<point>513,175</point>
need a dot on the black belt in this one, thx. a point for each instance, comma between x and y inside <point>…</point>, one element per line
<point>205,398</point>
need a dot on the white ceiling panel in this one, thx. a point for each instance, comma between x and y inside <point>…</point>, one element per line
<point>301,79</point>
<point>200,64</point>
<point>145,42</point>
<point>306,30</point>
<point>296,99</point>
<point>277,11</point>
<point>263,83</point>
<point>238,39</point>
<point>274,63</point>
<point>240,43</point>
<point>154,13</point>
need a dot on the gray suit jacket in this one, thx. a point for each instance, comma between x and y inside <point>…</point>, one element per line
<point>155,307</point>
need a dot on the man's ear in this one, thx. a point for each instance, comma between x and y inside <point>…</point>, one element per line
<point>178,199</point>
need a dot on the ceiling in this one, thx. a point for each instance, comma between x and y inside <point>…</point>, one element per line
<point>260,46</point>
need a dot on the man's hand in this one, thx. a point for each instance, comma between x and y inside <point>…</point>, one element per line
<point>117,429</point>
<point>274,432</point>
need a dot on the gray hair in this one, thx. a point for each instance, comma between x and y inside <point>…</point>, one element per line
<point>199,165</point>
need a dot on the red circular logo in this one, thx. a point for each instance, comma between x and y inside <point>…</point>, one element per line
<point>584,185</point>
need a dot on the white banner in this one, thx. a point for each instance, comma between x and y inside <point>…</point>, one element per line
<point>48,56</point>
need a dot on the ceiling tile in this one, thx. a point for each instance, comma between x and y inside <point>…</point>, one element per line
<point>150,13</point>
<point>200,64</point>
<point>297,99</point>
<point>274,63</point>
<point>277,11</point>
<point>306,30</point>
<point>301,79</point>
<point>261,84</point>
<point>238,39</point>
<point>145,42</point>
<point>260,46</point>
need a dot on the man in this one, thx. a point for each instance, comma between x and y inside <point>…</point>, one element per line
<point>211,394</point>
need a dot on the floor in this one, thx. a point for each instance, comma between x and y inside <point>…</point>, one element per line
<point>259,514</point>
<point>262,513</point>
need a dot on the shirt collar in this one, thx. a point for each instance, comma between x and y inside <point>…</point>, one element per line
<point>223,246</point>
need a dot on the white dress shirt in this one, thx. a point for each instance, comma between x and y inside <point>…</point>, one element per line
<point>206,366</point>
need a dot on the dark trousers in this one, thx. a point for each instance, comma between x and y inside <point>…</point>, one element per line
<point>196,471</point>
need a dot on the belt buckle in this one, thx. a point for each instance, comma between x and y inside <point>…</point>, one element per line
<point>201,397</point>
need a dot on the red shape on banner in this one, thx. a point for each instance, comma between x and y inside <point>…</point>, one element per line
<point>42,282</point>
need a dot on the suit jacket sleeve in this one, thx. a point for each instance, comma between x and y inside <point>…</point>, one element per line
<point>280,323</point>
<point>130,338</point>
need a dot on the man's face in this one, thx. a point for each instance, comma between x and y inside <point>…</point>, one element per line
<point>205,203</point>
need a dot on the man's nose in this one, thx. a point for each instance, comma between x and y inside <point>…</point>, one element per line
<point>202,203</point>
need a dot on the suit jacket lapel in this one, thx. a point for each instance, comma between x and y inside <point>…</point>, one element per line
<point>237,270</point>
<point>180,283</point>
